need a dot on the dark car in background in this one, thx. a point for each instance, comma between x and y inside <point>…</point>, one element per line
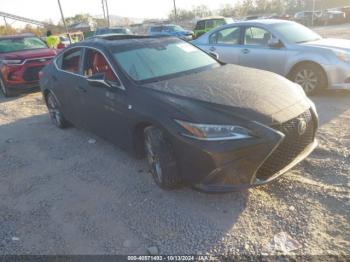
<point>329,17</point>
<point>113,30</point>
<point>21,59</point>
<point>307,18</point>
<point>170,30</point>
<point>198,122</point>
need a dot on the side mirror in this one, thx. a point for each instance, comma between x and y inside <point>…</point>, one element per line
<point>98,80</point>
<point>274,43</point>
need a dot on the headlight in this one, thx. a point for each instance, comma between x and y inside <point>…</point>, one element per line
<point>343,56</point>
<point>12,62</point>
<point>210,132</point>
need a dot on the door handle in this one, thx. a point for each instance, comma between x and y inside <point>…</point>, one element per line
<point>245,51</point>
<point>80,88</point>
<point>212,48</point>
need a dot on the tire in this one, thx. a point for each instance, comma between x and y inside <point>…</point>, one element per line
<point>4,90</point>
<point>55,113</point>
<point>161,159</point>
<point>310,76</point>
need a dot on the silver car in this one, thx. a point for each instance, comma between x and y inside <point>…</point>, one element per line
<point>284,47</point>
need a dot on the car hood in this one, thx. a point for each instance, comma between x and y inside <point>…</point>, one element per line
<point>29,54</point>
<point>246,89</point>
<point>332,43</point>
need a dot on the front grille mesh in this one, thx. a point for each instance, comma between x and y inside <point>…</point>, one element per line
<point>292,145</point>
<point>32,73</point>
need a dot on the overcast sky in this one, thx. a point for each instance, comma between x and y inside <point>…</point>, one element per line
<point>48,9</point>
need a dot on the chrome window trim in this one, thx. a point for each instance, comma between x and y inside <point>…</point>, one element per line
<point>121,86</point>
<point>30,59</point>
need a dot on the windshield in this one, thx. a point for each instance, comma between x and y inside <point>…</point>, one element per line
<point>155,59</point>
<point>19,44</point>
<point>296,33</point>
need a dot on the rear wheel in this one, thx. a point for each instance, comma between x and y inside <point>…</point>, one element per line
<point>310,76</point>
<point>161,159</point>
<point>4,89</point>
<point>55,112</point>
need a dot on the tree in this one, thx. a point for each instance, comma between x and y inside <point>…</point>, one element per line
<point>38,31</point>
<point>228,11</point>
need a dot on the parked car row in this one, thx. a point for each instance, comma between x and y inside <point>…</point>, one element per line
<point>326,17</point>
<point>197,115</point>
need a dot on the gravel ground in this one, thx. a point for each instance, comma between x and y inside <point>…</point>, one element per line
<point>62,194</point>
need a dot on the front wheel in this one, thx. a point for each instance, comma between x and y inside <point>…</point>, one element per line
<point>55,112</point>
<point>161,159</point>
<point>310,76</point>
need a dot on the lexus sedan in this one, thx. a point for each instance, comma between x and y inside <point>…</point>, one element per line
<point>198,122</point>
<point>283,47</point>
<point>21,59</point>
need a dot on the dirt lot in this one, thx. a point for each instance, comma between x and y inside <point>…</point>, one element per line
<point>60,194</point>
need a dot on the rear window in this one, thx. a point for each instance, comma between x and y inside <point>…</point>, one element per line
<point>71,60</point>
<point>20,44</point>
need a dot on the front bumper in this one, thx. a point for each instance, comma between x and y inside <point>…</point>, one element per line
<point>232,165</point>
<point>257,182</point>
<point>23,87</point>
<point>338,76</point>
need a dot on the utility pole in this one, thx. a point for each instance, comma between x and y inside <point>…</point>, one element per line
<point>6,25</point>
<point>313,13</point>
<point>64,21</point>
<point>175,11</point>
<point>108,19</point>
<point>103,9</point>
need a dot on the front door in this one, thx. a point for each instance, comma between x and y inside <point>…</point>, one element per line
<point>258,54</point>
<point>106,107</point>
<point>225,43</point>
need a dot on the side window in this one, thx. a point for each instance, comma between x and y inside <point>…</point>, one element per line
<point>71,60</point>
<point>228,36</point>
<point>220,22</point>
<point>209,24</point>
<point>96,63</point>
<point>256,36</point>
<point>200,25</point>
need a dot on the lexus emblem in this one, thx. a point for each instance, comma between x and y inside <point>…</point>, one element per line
<point>302,125</point>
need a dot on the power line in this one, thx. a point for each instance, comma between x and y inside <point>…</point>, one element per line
<point>23,19</point>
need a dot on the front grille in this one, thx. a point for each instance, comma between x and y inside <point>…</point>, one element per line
<point>294,144</point>
<point>32,73</point>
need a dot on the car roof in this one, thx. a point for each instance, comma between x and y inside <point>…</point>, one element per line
<point>211,18</point>
<point>264,21</point>
<point>17,36</point>
<point>163,25</point>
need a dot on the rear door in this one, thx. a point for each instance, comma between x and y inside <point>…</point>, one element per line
<point>106,108</point>
<point>257,53</point>
<point>67,83</point>
<point>226,43</point>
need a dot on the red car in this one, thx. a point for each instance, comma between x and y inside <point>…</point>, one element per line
<point>21,59</point>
